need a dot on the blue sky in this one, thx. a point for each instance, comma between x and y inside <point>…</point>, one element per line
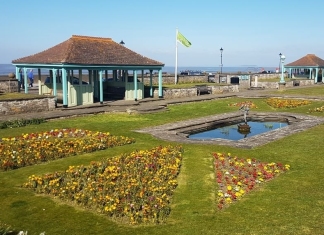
<point>251,32</point>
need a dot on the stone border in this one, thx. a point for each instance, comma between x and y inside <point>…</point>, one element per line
<point>174,131</point>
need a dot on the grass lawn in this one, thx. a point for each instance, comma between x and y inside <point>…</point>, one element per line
<point>10,96</point>
<point>292,203</point>
<point>317,90</point>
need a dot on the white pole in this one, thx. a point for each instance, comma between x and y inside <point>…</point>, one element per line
<point>176,59</point>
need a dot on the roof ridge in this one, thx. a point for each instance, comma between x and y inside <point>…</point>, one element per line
<point>68,51</point>
<point>91,38</point>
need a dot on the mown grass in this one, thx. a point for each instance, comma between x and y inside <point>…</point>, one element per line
<point>290,204</point>
<point>317,90</point>
<point>16,95</point>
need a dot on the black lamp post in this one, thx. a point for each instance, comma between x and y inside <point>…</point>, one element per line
<point>221,51</point>
<point>279,61</point>
<point>122,43</point>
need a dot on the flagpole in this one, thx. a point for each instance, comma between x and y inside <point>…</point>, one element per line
<point>176,59</point>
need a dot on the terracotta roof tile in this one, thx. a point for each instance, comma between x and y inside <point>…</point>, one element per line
<point>88,50</point>
<point>308,60</point>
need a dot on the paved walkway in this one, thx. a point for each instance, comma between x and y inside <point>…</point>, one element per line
<point>146,105</point>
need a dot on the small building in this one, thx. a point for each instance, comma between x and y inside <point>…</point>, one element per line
<point>110,66</point>
<point>309,66</point>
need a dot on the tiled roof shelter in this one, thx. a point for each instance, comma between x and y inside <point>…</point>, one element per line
<point>96,56</point>
<point>309,65</point>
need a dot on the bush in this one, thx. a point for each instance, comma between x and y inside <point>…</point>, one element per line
<point>21,123</point>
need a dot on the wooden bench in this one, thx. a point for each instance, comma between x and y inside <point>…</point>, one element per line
<point>50,92</point>
<point>296,82</point>
<point>114,92</point>
<point>203,89</point>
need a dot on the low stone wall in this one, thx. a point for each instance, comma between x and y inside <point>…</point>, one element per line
<point>275,85</point>
<point>11,107</point>
<point>225,89</point>
<point>297,82</point>
<point>169,79</point>
<point>269,85</point>
<point>191,92</point>
<point>177,93</point>
<point>9,85</point>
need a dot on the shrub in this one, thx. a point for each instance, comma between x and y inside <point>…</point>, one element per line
<point>21,123</point>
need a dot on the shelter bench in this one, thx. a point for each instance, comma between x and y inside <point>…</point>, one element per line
<point>295,83</point>
<point>115,92</point>
<point>203,89</point>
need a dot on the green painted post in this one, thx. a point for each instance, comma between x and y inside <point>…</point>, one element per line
<point>135,85</point>
<point>100,87</point>
<point>64,88</point>
<point>282,59</point>
<point>160,84</point>
<point>151,85</point>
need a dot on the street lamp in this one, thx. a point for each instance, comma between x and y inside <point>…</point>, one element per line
<point>282,60</point>
<point>221,65</point>
<point>279,61</point>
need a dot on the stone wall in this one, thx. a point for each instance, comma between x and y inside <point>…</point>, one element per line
<point>9,85</point>
<point>190,92</point>
<point>178,93</point>
<point>11,107</point>
<point>169,79</point>
<point>269,85</point>
<point>306,82</point>
<point>275,85</point>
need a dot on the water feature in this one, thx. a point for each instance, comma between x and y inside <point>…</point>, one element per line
<point>235,130</point>
<point>290,124</point>
<point>232,132</point>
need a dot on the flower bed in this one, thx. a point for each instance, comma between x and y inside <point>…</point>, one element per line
<point>236,176</point>
<point>320,110</point>
<point>134,188</point>
<point>249,104</point>
<point>286,103</point>
<point>34,148</point>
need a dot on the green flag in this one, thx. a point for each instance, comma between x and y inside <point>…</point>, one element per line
<point>183,40</point>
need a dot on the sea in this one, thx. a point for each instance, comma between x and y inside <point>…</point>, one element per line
<point>5,69</point>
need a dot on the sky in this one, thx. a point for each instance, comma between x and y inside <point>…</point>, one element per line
<point>251,32</point>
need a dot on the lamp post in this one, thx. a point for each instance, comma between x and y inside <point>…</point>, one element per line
<point>279,61</point>
<point>282,60</point>
<point>221,65</point>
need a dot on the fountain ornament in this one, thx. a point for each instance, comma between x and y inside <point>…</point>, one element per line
<point>244,128</point>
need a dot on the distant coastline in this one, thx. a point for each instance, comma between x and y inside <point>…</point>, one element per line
<point>5,69</point>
